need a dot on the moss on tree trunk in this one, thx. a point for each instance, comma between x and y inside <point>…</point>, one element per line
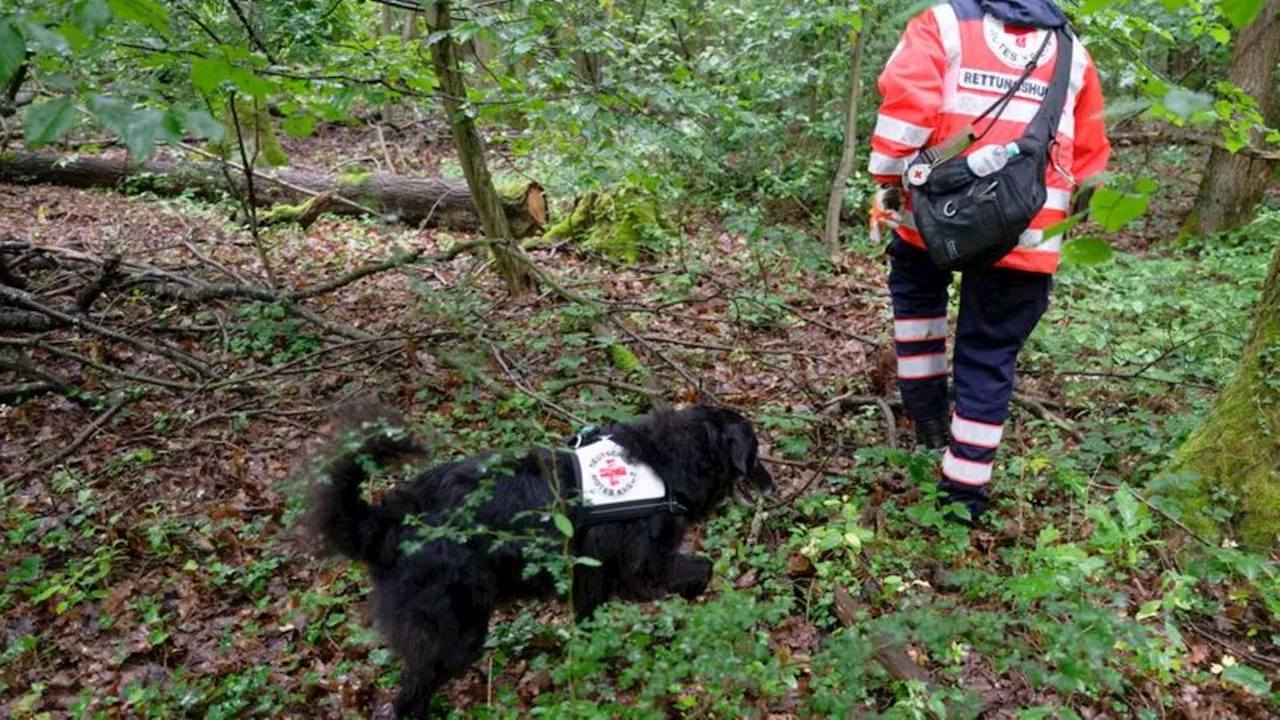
<point>1238,445</point>
<point>624,225</point>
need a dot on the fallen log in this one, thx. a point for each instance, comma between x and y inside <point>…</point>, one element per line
<point>1186,137</point>
<point>428,202</point>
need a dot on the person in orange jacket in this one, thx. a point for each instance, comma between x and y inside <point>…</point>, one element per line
<point>953,62</point>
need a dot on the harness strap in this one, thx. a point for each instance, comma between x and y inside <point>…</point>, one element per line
<point>592,515</point>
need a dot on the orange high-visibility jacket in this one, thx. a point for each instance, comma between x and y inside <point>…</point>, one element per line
<point>956,59</point>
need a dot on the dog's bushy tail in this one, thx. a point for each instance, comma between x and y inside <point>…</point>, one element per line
<point>370,434</point>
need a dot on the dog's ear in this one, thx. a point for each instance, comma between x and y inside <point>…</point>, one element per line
<point>744,454</point>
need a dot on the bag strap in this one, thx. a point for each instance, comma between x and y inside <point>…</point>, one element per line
<point>1003,101</point>
<point>956,144</point>
<point>1044,125</point>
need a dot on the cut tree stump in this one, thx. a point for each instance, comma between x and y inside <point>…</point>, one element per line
<point>428,202</point>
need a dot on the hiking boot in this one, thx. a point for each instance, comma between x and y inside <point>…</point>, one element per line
<point>933,433</point>
<point>974,499</point>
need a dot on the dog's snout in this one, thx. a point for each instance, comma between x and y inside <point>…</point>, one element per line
<point>761,479</point>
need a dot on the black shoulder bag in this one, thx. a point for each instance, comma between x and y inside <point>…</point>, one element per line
<point>968,221</point>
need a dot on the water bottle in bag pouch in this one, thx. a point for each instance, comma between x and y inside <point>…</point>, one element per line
<point>990,159</point>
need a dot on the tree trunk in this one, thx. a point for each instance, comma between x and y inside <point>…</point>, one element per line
<point>835,202</point>
<point>444,56</point>
<point>413,201</point>
<point>388,20</point>
<point>410,27</point>
<point>1238,446</point>
<point>1234,184</point>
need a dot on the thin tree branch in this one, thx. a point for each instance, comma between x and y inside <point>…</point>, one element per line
<point>25,299</point>
<point>249,202</point>
<point>1037,408</point>
<point>828,326</point>
<point>253,34</point>
<point>15,362</point>
<point>558,387</point>
<point>10,394</point>
<point>511,375</point>
<point>90,362</point>
<point>75,445</point>
<point>822,469</point>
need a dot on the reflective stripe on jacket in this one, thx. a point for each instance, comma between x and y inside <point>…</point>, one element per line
<point>953,61</point>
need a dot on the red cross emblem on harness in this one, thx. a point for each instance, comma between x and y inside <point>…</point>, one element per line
<point>613,471</point>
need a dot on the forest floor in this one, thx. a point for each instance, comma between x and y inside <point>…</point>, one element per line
<point>154,566</point>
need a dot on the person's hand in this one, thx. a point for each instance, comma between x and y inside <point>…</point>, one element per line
<point>886,209</point>
<point>1080,201</point>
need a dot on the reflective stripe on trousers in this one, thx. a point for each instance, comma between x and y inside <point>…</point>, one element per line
<point>999,309</point>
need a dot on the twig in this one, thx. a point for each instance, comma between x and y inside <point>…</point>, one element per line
<point>1156,508</point>
<point>75,445</point>
<point>25,321</point>
<point>10,277</point>
<point>890,422</point>
<point>22,365</point>
<point>820,323</point>
<point>249,29</point>
<point>559,387</point>
<point>395,261</point>
<point>670,362</point>
<point>236,412</point>
<point>237,277</point>
<point>251,197</point>
<point>1224,643</point>
<point>1037,408</point>
<point>1140,373</point>
<point>892,658</point>
<point>1141,138</point>
<point>339,329</point>
<point>386,153</point>
<point>90,362</point>
<point>511,375</point>
<point>195,17</point>
<point>1129,377</point>
<point>849,400</point>
<point>25,299</point>
<point>10,394</point>
<point>289,367</point>
<point>726,348</point>
<point>196,291</point>
<point>832,328</point>
<point>65,253</point>
<point>822,468</point>
<point>788,463</point>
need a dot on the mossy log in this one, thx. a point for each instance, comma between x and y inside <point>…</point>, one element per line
<point>623,224</point>
<point>444,204</point>
<point>1237,447</point>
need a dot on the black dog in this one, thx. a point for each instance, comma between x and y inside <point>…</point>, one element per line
<point>434,593</point>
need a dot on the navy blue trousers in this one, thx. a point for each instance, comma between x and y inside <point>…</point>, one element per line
<point>999,309</point>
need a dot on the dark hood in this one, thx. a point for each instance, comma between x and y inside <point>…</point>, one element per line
<point>1033,13</point>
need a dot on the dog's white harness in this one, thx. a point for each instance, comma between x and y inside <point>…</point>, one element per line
<point>614,487</point>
